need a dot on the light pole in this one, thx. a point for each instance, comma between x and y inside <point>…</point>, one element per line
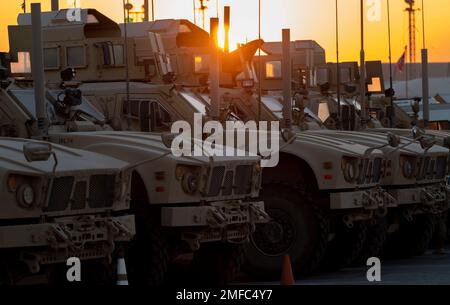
<point>362,70</point>
<point>425,83</point>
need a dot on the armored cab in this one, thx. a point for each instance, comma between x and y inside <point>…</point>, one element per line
<point>59,203</point>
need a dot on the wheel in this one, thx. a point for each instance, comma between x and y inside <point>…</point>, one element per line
<point>346,245</point>
<point>298,228</point>
<point>376,235</point>
<point>412,239</point>
<point>218,264</point>
<point>147,258</point>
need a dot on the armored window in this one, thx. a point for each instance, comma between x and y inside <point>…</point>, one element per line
<point>134,106</point>
<point>51,58</point>
<point>112,55</point>
<point>322,76</point>
<point>201,64</point>
<point>160,119</point>
<point>119,57</point>
<point>346,75</point>
<point>273,69</point>
<point>76,57</point>
<point>23,65</point>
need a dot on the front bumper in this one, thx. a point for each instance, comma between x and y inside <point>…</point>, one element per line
<point>83,237</point>
<point>371,199</point>
<point>216,215</point>
<point>426,195</point>
<point>220,221</point>
<point>68,232</point>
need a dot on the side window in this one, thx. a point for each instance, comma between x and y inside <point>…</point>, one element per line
<point>160,118</point>
<point>76,57</point>
<point>273,70</point>
<point>111,54</point>
<point>23,65</point>
<point>51,58</point>
<point>144,118</point>
<point>134,106</point>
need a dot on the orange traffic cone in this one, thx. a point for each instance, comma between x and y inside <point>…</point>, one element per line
<point>287,276</point>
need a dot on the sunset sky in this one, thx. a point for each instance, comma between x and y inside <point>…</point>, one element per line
<point>308,20</point>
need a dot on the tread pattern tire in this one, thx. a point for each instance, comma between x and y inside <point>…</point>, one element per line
<point>218,264</point>
<point>412,239</point>
<point>147,258</point>
<point>346,245</point>
<point>373,246</point>
<point>304,227</point>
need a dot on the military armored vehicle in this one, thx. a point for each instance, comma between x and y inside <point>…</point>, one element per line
<point>59,203</point>
<point>314,192</point>
<point>202,205</point>
<point>416,181</point>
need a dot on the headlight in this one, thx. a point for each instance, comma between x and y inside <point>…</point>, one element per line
<point>190,183</point>
<point>24,188</point>
<point>408,167</point>
<point>350,169</point>
<point>25,196</point>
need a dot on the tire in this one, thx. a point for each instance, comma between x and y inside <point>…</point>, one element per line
<point>345,247</point>
<point>147,258</point>
<point>218,264</point>
<point>376,235</point>
<point>298,228</point>
<point>412,239</point>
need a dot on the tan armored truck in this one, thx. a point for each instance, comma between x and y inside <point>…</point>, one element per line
<point>311,170</point>
<point>416,180</point>
<point>206,205</point>
<point>59,203</point>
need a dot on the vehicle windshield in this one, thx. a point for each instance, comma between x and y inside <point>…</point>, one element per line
<point>196,102</point>
<point>26,100</point>
<point>274,105</point>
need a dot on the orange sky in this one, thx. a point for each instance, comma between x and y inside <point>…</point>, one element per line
<point>308,19</point>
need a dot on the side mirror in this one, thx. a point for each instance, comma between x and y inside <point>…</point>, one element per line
<point>427,142</point>
<point>446,142</point>
<point>34,152</point>
<point>393,140</point>
<point>167,139</point>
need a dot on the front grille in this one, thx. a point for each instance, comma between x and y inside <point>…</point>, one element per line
<point>60,195</point>
<point>79,196</point>
<point>441,167</point>
<point>370,171</point>
<point>216,181</point>
<point>243,181</point>
<point>97,191</point>
<point>377,170</point>
<point>229,183</point>
<point>101,191</point>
